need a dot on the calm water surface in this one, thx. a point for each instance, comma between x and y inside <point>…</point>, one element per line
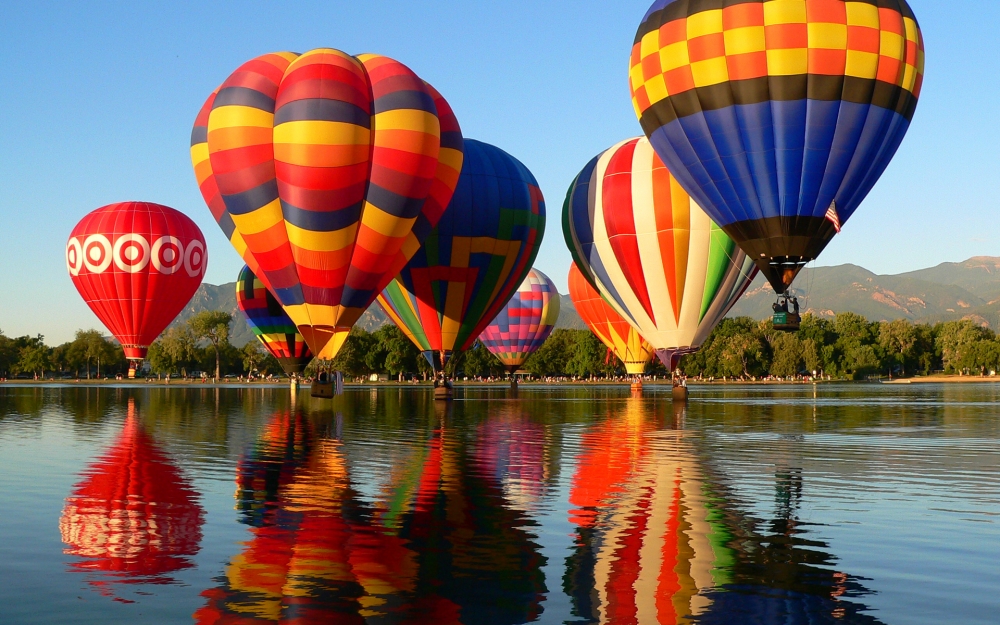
<point>845,504</point>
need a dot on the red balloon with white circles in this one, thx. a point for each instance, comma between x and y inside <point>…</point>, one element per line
<point>136,264</point>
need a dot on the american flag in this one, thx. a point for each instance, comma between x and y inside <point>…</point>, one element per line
<point>831,215</point>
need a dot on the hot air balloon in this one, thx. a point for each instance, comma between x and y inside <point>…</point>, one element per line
<point>777,117</point>
<point>622,339</point>
<point>525,322</point>
<point>326,171</point>
<point>270,324</point>
<point>137,265</point>
<point>475,259</point>
<point>134,518</point>
<point>650,251</point>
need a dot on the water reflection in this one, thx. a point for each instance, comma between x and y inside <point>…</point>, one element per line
<point>440,543</point>
<point>134,518</point>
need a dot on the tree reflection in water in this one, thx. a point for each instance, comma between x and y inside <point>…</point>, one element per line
<point>134,518</point>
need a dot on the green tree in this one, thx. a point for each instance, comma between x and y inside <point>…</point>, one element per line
<point>212,326</point>
<point>351,357</point>
<point>179,349</point>
<point>34,357</point>
<point>899,339</point>
<point>588,358</point>
<point>956,339</point>
<point>555,353</point>
<point>480,362</point>
<point>253,356</point>
<point>789,355</point>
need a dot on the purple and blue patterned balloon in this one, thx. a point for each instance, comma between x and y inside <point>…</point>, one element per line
<point>525,322</point>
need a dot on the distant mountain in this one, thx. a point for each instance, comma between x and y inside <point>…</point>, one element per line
<point>949,291</point>
<point>825,291</point>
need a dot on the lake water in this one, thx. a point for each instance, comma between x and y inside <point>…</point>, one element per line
<point>836,504</point>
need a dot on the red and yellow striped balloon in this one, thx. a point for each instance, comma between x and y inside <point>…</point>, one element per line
<point>326,171</point>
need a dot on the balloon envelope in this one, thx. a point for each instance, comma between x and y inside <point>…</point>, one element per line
<point>326,171</point>
<point>612,329</point>
<point>777,117</point>
<point>136,264</point>
<point>525,322</point>
<point>651,252</point>
<point>270,324</point>
<point>478,254</point>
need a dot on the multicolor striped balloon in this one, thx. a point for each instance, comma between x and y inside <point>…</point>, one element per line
<point>270,324</point>
<point>778,117</point>
<point>326,171</point>
<point>476,257</point>
<point>622,339</point>
<point>650,251</point>
<point>525,322</point>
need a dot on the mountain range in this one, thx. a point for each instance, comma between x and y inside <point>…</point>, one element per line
<point>949,291</point>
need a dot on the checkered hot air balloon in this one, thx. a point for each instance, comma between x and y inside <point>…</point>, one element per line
<point>612,329</point>
<point>326,172</point>
<point>525,322</point>
<point>770,114</point>
<point>650,250</point>
<point>475,259</point>
<point>269,323</point>
<point>136,264</point>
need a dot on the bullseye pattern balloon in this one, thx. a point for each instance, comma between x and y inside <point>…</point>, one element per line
<point>137,265</point>
<point>476,257</point>
<point>612,329</point>
<point>270,324</point>
<point>525,322</point>
<point>777,117</point>
<point>650,251</point>
<point>326,171</point>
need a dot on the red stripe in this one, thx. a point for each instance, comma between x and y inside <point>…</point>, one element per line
<point>619,220</point>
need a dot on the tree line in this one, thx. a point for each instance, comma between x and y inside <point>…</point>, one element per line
<point>847,346</point>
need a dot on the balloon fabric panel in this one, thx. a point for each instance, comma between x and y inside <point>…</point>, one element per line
<point>332,169</point>
<point>136,265</point>
<point>275,330</point>
<point>778,117</point>
<point>612,329</point>
<point>525,322</point>
<point>475,258</point>
<point>651,252</point>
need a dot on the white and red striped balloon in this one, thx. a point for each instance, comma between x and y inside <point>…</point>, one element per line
<point>651,251</point>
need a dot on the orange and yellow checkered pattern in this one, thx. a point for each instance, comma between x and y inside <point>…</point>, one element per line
<point>776,38</point>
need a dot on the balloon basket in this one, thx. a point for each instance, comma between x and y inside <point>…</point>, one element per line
<point>680,393</point>
<point>293,385</point>
<point>637,387</point>
<point>442,393</point>
<point>513,384</point>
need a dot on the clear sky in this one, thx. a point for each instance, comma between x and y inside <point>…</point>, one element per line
<point>98,99</point>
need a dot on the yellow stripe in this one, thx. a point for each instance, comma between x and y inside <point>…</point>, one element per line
<point>321,241</point>
<point>704,23</point>
<point>784,12</point>
<point>384,223</point>
<point>259,220</point>
<point>312,132</point>
<point>408,119</point>
<point>231,116</point>
<point>862,14</point>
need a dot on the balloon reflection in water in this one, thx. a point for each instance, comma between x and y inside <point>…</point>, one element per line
<point>134,518</point>
<point>437,546</point>
<point>512,451</point>
<point>660,538</point>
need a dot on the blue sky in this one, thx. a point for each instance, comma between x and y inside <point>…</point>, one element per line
<point>98,102</point>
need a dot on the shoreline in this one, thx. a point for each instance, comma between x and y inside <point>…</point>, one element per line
<point>284,384</point>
